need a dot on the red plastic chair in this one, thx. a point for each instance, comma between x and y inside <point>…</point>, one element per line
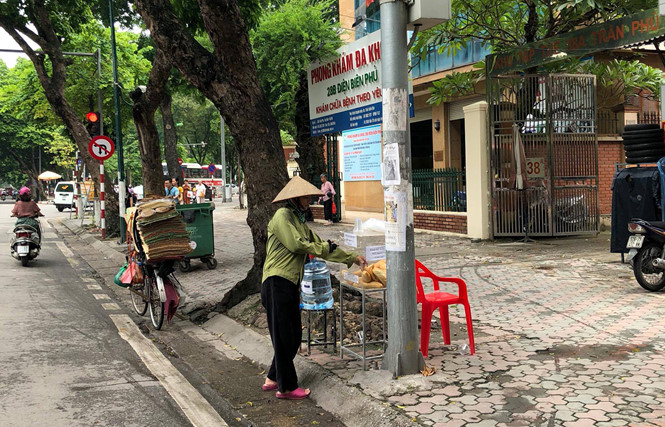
<point>440,300</point>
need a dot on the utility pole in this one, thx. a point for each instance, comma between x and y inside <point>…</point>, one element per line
<point>402,356</point>
<point>118,128</point>
<point>223,155</point>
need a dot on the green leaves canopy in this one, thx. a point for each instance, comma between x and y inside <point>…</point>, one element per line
<point>285,42</point>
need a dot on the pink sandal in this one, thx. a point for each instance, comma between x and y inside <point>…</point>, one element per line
<point>297,394</point>
<point>269,387</point>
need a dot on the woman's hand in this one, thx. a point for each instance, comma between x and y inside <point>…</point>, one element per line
<point>361,261</point>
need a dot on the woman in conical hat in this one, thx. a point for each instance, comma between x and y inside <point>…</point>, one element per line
<point>290,242</point>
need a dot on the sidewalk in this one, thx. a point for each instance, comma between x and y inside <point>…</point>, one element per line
<point>564,336</point>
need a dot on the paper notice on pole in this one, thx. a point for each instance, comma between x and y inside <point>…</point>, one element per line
<point>395,103</point>
<point>395,214</point>
<point>351,240</point>
<point>375,253</point>
<point>391,173</point>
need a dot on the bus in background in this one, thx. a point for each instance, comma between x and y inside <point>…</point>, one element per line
<point>194,173</point>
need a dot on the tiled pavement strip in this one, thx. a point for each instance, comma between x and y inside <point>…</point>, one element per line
<point>564,334</point>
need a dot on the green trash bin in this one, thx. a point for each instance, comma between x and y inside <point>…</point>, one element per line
<point>198,220</point>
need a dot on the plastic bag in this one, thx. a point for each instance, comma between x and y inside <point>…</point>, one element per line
<point>118,277</point>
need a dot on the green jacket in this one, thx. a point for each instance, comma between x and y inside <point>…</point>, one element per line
<point>289,243</point>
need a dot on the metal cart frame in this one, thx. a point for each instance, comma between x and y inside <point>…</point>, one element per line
<point>347,348</point>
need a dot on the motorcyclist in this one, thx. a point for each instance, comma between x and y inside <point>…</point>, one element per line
<point>26,210</point>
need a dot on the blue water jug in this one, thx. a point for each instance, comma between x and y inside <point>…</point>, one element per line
<point>315,289</point>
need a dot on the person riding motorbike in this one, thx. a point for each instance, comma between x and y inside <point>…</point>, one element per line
<point>26,210</point>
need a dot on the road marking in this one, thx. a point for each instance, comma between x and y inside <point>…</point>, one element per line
<point>101,296</point>
<point>110,306</point>
<point>89,280</point>
<point>195,407</point>
<point>65,250</point>
<point>94,287</point>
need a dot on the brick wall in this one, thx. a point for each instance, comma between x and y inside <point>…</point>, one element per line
<point>317,211</point>
<point>440,221</point>
<point>610,151</point>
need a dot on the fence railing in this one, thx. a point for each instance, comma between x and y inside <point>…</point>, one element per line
<point>649,117</point>
<point>608,123</point>
<point>439,190</point>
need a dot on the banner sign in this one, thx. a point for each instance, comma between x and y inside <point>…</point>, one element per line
<point>637,28</point>
<point>345,93</point>
<point>362,154</point>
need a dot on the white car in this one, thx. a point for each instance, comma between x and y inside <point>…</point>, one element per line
<point>64,195</point>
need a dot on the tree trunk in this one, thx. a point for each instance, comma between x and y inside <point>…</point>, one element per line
<point>311,161</point>
<point>170,137</point>
<point>143,111</point>
<point>228,77</point>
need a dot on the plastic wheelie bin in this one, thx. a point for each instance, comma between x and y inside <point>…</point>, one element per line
<point>198,220</point>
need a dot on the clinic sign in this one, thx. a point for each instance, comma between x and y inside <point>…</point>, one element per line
<point>361,149</point>
<point>345,93</point>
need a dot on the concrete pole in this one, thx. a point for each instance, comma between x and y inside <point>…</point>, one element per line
<point>223,155</point>
<point>402,355</point>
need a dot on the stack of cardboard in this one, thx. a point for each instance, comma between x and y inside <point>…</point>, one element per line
<point>162,230</point>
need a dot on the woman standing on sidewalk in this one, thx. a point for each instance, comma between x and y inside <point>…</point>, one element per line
<point>290,241</point>
<point>327,199</point>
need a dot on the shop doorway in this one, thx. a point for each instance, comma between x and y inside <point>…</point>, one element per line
<point>421,145</point>
<point>457,145</point>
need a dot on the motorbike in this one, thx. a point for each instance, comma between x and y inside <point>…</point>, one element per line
<point>646,246</point>
<point>26,243</point>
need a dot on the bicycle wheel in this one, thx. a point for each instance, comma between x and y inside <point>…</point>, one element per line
<point>156,305</point>
<point>140,304</point>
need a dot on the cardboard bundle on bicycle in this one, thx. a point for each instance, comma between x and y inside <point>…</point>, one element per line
<point>162,230</point>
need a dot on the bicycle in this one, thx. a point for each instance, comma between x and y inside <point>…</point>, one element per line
<point>150,294</point>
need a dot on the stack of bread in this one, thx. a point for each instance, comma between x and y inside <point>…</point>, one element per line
<point>162,230</point>
<point>371,277</point>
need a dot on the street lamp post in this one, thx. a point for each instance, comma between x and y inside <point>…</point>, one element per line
<point>118,127</point>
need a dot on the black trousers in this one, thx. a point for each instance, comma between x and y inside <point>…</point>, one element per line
<point>281,299</point>
<point>327,210</point>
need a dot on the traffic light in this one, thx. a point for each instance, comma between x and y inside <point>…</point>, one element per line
<point>92,124</point>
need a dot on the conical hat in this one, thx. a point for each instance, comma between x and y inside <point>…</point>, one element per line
<point>297,187</point>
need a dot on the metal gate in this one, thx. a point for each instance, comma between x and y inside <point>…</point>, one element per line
<point>545,127</point>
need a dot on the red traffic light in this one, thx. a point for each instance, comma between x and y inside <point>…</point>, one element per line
<point>92,117</point>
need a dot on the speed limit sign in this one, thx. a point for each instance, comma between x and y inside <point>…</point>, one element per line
<point>101,147</point>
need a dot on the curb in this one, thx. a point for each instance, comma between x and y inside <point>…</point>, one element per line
<point>91,240</point>
<point>347,403</point>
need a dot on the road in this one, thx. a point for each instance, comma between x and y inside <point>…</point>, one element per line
<point>73,353</point>
<point>62,359</point>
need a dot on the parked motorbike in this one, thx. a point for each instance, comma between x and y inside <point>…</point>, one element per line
<point>647,253</point>
<point>26,243</point>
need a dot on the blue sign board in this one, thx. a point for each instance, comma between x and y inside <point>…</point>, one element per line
<point>361,149</point>
<point>211,168</point>
<point>352,119</point>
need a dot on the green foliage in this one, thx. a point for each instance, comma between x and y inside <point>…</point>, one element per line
<point>505,24</point>
<point>456,84</point>
<point>285,42</point>
<point>197,121</point>
<point>67,16</point>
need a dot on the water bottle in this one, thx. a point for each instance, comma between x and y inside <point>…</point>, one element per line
<point>315,289</point>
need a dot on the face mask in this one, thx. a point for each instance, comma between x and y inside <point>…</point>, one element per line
<point>296,209</point>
